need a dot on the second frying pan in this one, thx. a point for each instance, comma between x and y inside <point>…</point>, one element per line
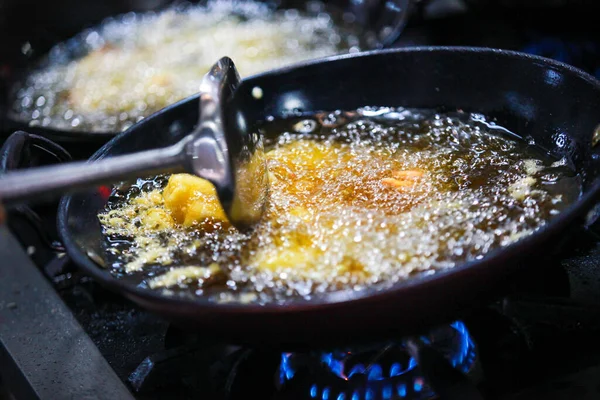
<point>34,29</point>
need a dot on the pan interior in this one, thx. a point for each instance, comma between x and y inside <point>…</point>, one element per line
<point>563,130</point>
<point>359,199</point>
<point>113,74</point>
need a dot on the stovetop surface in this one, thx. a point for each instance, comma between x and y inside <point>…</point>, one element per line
<point>540,341</point>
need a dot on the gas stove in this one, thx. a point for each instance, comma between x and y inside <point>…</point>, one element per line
<point>63,336</point>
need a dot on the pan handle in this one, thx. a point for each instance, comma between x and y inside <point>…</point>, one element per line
<point>17,151</point>
<point>386,19</point>
<point>25,150</point>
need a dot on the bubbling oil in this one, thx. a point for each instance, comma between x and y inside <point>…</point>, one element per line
<point>111,76</point>
<point>358,199</point>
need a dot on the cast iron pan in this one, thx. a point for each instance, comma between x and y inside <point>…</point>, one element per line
<point>554,103</point>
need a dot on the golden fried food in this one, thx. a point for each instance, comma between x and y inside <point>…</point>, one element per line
<point>346,210</point>
<point>191,200</point>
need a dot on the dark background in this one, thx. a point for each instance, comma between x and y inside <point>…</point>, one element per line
<point>566,30</point>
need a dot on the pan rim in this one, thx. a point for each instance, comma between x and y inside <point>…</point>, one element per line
<point>348,296</point>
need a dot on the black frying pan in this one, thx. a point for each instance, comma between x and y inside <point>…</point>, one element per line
<point>556,104</point>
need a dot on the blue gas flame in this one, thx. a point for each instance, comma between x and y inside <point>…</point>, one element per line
<point>286,371</point>
<point>398,381</point>
<point>466,356</point>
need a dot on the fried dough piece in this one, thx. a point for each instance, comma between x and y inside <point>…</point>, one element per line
<point>192,200</point>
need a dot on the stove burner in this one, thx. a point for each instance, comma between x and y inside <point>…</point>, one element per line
<point>381,372</point>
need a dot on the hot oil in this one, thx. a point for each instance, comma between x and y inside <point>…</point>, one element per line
<point>358,199</point>
<point>110,76</point>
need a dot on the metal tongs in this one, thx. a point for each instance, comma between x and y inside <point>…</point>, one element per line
<point>231,159</point>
